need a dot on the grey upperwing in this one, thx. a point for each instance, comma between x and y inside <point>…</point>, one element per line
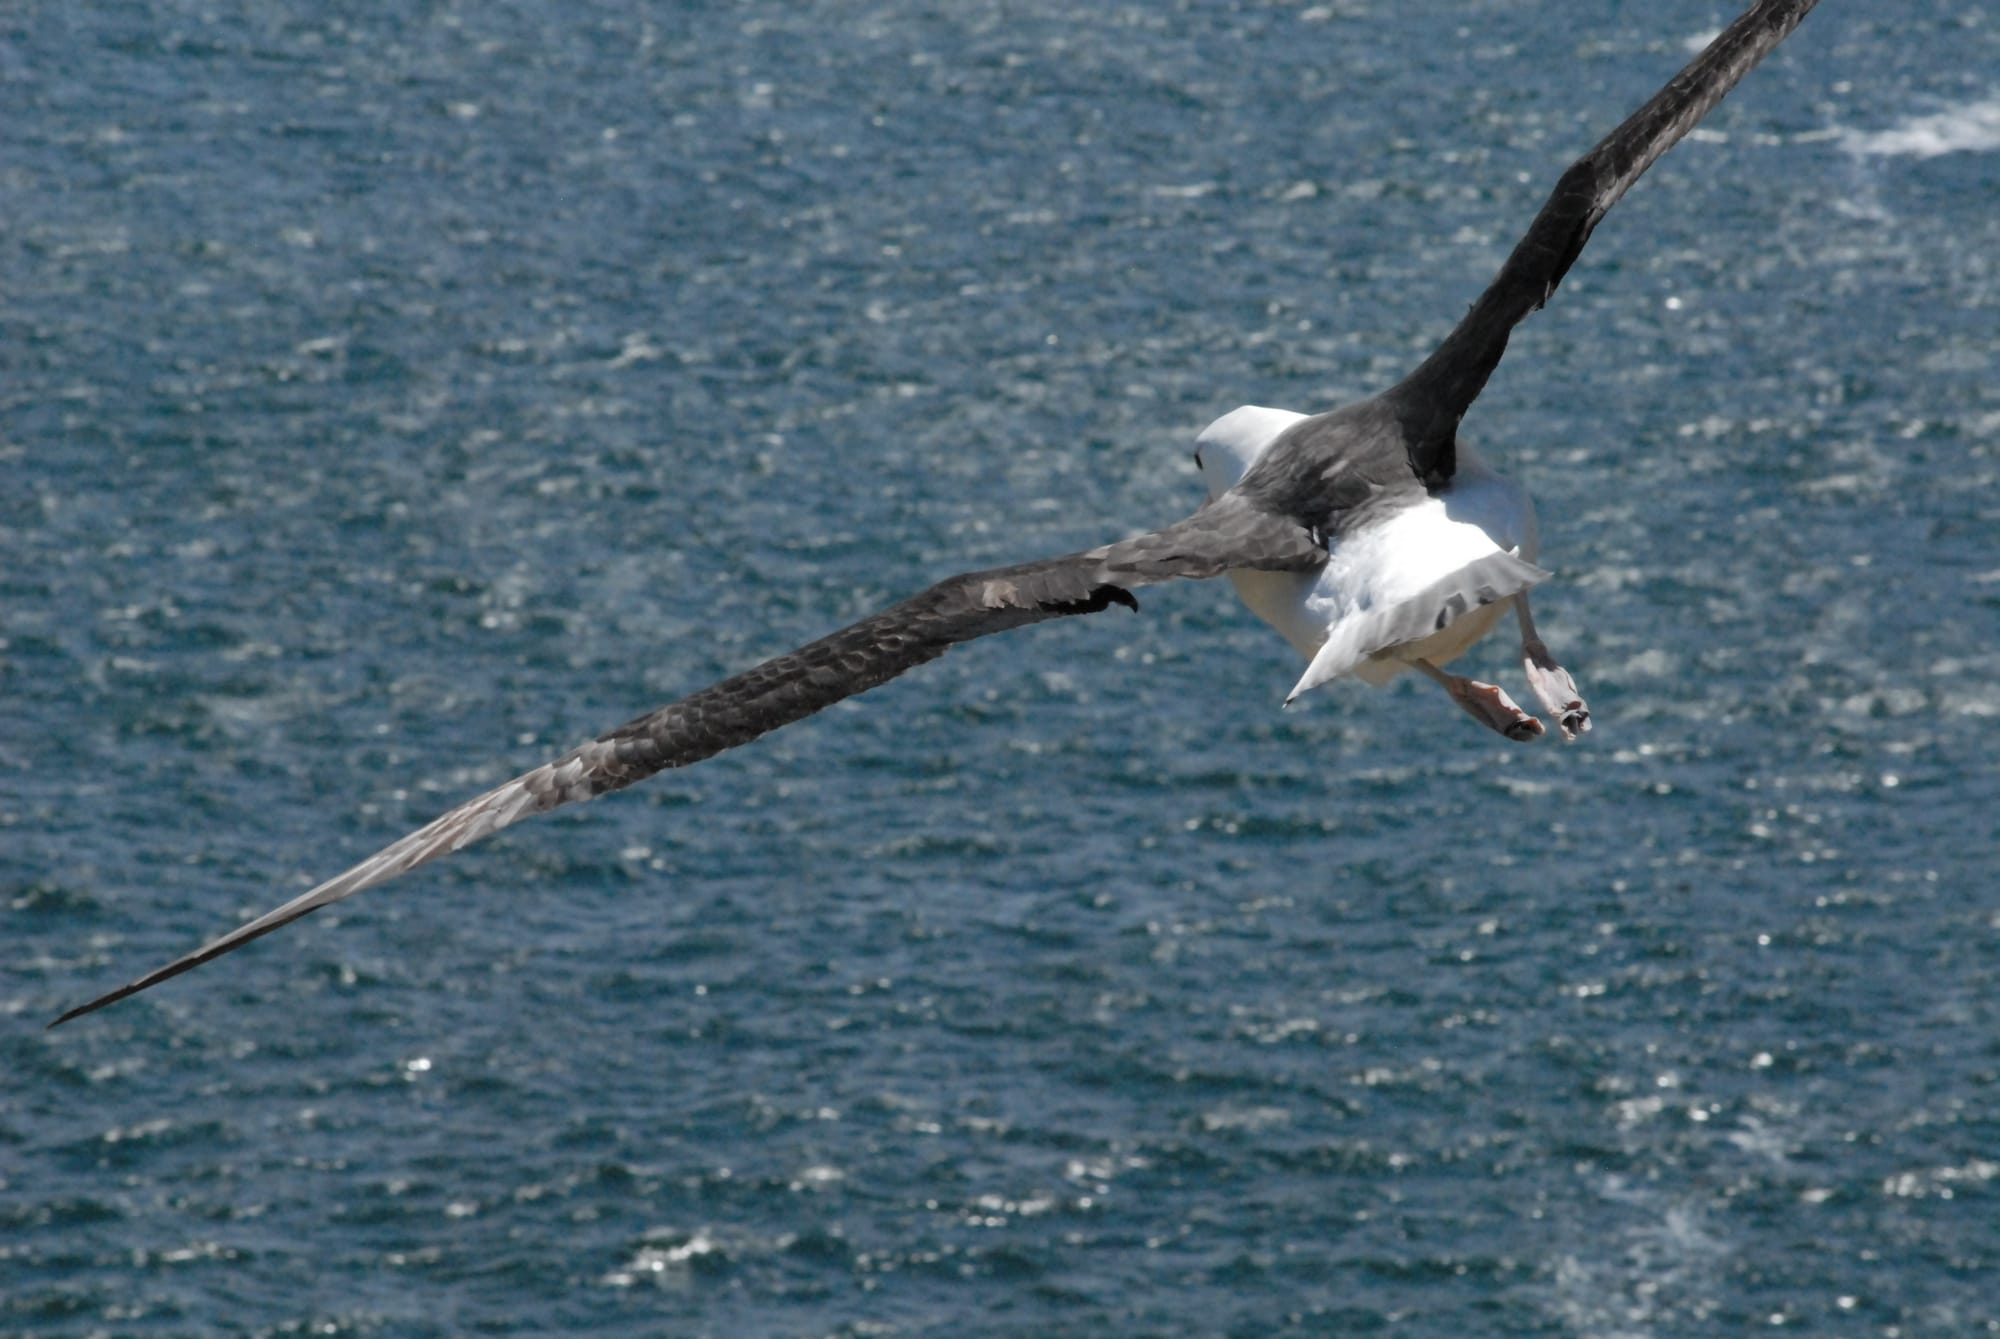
<point>1434,397</point>
<point>1228,533</point>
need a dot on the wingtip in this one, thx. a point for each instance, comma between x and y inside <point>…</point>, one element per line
<point>100,1002</point>
<point>234,940</point>
<point>77,1012</point>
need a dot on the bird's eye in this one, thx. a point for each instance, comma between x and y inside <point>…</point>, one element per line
<point>1197,460</point>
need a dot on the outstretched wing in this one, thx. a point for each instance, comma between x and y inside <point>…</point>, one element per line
<point>1228,533</point>
<point>1436,395</point>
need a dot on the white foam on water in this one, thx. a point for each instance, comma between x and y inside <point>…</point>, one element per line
<point>1972,127</point>
<point>1661,1270</point>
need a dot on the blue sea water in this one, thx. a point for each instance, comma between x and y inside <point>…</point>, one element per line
<point>391,396</point>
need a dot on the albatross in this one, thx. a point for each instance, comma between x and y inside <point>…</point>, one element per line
<point>1371,537</point>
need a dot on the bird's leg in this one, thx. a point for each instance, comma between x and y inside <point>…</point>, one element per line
<point>1486,704</point>
<point>1550,681</point>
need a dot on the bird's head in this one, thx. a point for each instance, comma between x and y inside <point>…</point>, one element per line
<point>1228,447</point>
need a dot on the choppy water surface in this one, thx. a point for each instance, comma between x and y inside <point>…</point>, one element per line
<point>395,395</point>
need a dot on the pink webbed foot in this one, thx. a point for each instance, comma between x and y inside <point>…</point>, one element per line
<point>1492,708</point>
<point>1555,689</point>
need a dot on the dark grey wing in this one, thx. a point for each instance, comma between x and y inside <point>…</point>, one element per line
<point>1433,398</point>
<point>1229,533</point>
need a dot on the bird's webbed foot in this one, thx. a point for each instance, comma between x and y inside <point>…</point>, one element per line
<point>1487,704</point>
<point>1554,688</point>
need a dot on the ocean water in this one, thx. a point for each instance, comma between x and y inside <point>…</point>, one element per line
<point>391,396</point>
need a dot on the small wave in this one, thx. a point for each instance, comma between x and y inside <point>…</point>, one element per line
<point>1972,127</point>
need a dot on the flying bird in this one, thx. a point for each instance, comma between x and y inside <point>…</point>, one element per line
<point>1369,536</point>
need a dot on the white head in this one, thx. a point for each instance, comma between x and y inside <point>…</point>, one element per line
<point>1228,447</point>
